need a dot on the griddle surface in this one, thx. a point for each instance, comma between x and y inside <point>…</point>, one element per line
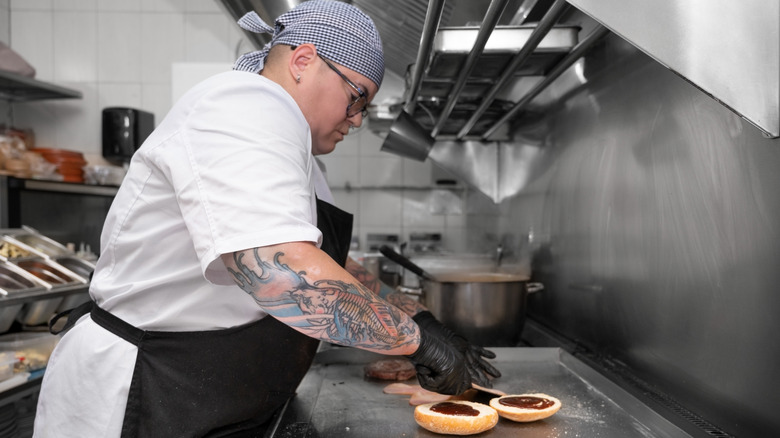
<point>335,400</point>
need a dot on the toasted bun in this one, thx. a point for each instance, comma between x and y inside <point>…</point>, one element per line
<point>456,424</point>
<point>525,414</point>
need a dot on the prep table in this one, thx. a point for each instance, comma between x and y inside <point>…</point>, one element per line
<point>335,400</point>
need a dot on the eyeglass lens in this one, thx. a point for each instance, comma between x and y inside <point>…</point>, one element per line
<point>358,105</point>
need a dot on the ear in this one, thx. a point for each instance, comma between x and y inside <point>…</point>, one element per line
<point>303,56</point>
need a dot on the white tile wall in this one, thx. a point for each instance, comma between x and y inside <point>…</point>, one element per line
<point>160,53</point>
<point>121,53</point>
<point>77,5</point>
<point>32,4</point>
<point>75,48</point>
<point>38,52</point>
<point>5,21</point>
<point>208,38</point>
<point>118,5</point>
<point>163,5</point>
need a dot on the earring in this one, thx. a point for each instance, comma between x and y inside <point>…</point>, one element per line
<point>298,79</point>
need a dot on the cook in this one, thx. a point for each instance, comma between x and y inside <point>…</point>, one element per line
<point>225,193</point>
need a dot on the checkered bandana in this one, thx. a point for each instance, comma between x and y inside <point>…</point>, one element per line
<point>341,32</point>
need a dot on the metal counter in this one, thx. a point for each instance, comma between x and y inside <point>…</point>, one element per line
<point>335,400</point>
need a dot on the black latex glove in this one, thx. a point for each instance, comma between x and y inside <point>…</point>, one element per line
<point>478,367</point>
<point>440,367</point>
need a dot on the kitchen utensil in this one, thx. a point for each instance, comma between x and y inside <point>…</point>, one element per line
<point>405,262</point>
<point>492,391</point>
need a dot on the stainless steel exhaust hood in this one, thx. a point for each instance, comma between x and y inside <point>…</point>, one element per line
<point>473,78</point>
<point>729,49</point>
<point>450,52</point>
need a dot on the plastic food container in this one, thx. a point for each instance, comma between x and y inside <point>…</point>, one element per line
<point>32,348</point>
<point>7,361</point>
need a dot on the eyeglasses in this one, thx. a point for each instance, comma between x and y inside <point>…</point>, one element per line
<point>359,102</point>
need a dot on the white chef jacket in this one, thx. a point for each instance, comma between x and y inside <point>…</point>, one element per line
<point>229,168</point>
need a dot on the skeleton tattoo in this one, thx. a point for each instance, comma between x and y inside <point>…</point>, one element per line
<point>344,313</point>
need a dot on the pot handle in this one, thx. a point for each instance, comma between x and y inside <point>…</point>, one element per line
<point>405,262</point>
<point>533,287</point>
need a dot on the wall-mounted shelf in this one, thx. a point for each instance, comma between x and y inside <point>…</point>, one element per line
<point>349,187</point>
<point>17,88</point>
<point>62,187</point>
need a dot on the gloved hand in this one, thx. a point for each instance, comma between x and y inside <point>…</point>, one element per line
<point>478,367</point>
<point>440,367</point>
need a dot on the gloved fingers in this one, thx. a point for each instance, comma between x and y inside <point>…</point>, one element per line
<point>427,382</point>
<point>488,368</point>
<point>443,384</point>
<point>422,371</point>
<point>462,386</point>
<point>483,368</point>
<point>484,365</point>
<point>456,383</point>
<point>483,352</point>
<point>441,367</point>
<point>479,378</point>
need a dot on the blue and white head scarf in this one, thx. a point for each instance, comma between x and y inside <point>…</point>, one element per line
<point>341,32</point>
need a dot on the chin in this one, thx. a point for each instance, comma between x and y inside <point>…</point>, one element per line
<point>323,149</point>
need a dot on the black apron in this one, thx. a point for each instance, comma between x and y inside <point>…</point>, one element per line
<point>223,382</point>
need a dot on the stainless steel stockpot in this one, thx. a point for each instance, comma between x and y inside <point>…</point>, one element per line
<point>476,299</point>
<point>488,308</point>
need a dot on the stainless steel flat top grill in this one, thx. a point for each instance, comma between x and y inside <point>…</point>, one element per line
<point>335,400</point>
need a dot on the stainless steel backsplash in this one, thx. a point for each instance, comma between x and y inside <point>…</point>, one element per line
<point>654,220</point>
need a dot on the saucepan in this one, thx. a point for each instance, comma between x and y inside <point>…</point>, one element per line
<point>483,304</point>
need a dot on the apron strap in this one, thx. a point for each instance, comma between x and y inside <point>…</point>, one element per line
<point>117,326</point>
<point>73,315</point>
<point>101,317</point>
<point>336,227</point>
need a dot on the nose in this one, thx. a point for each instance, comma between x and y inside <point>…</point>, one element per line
<point>356,120</point>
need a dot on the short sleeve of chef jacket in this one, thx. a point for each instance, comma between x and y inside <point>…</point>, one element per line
<point>245,178</point>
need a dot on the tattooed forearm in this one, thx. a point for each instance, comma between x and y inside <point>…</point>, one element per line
<point>332,310</point>
<point>362,275</point>
<point>409,305</point>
